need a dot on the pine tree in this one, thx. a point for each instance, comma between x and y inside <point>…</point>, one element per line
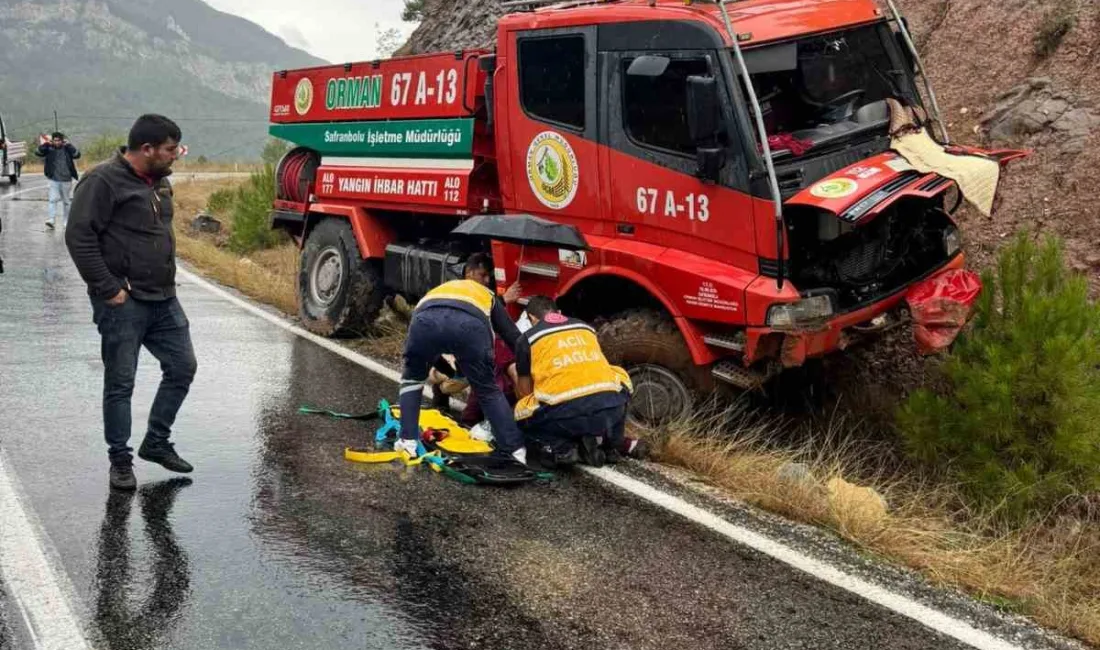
<point>1019,424</point>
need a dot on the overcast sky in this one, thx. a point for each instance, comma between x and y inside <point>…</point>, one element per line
<point>336,30</point>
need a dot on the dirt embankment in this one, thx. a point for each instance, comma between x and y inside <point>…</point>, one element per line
<point>976,53</point>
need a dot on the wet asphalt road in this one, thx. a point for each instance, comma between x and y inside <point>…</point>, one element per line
<point>276,542</point>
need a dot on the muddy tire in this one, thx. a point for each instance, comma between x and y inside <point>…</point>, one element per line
<point>339,292</point>
<point>667,383</point>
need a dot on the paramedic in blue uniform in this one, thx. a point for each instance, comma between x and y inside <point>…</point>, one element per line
<point>568,392</point>
<point>459,317</point>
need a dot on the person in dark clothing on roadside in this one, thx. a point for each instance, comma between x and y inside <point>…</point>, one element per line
<point>60,169</point>
<point>121,240</point>
<point>459,317</point>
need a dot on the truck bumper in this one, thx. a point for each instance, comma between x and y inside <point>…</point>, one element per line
<point>793,347</point>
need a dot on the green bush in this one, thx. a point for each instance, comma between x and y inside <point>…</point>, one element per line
<point>221,201</point>
<point>102,147</point>
<point>274,150</point>
<point>247,207</point>
<point>1056,25</point>
<point>1017,420</point>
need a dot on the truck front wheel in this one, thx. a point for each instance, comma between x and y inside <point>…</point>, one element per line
<point>339,292</point>
<point>667,384</point>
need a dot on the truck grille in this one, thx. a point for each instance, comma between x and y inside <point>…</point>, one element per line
<point>862,262</point>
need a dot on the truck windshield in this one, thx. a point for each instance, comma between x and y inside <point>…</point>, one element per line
<point>827,88</point>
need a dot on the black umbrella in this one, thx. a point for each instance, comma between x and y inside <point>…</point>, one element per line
<point>523,229</point>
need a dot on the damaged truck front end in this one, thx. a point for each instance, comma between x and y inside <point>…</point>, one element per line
<point>859,230</point>
<point>857,243</point>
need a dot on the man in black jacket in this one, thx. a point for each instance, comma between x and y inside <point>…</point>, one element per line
<point>60,169</point>
<point>121,240</point>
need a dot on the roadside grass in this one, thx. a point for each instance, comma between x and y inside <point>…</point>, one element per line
<point>267,275</point>
<point>1048,570</point>
<point>33,166</point>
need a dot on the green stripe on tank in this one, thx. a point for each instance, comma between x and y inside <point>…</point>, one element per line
<point>398,139</point>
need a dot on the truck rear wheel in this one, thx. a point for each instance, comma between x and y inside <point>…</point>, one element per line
<point>667,383</point>
<point>339,292</point>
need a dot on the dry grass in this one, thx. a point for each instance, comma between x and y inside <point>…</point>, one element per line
<point>268,276</point>
<point>1049,571</point>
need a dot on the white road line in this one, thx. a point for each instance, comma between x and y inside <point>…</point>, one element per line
<point>31,579</point>
<point>25,190</point>
<point>898,603</point>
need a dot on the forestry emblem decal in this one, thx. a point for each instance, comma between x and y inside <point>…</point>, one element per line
<point>552,170</point>
<point>303,96</point>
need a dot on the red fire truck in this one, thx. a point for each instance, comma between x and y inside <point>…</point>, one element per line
<point>734,229</point>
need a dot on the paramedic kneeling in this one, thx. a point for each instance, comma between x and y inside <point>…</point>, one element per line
<point>569,394</point>
<point>459,318</point>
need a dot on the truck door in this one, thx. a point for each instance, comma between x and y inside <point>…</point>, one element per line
<point>652,168</point>
<point>552,125</point>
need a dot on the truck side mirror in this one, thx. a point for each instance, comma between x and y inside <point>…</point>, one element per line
<point>705,125</point>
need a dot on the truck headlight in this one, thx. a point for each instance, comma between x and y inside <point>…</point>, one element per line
<point>952,241</point>
<point>804,311</point>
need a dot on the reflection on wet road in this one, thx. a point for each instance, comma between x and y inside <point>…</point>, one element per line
<point>280,543</point>
<point>157,613</point>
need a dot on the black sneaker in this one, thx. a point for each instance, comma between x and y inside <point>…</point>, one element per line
<point>164,454</point>
<point>590,452</point>
<point>122,476</point>
<point>551,459</point>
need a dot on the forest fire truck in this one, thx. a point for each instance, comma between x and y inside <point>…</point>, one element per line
<point>735,229</point>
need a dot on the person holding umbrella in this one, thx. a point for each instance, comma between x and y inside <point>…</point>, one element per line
<point>460,317</point>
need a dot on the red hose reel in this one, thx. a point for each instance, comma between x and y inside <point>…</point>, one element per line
<point>295,174</point>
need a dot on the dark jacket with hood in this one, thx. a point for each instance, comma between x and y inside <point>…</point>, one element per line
<point>120,233</point>
<point>56,159</point>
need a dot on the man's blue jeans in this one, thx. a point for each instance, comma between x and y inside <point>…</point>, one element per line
<point>162,327</point>
<point>60,192</point>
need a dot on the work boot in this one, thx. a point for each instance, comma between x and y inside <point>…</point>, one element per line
<point>164,454</point>
<point>590,452</point>
<point>122,475</point>
<point>551,459</point>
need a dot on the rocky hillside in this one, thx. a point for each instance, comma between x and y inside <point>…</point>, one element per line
<point>1016,74</point>
<point>1022,73</point>
<point>99,63</point>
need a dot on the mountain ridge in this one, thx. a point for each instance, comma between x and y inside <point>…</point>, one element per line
<point>100,63</point>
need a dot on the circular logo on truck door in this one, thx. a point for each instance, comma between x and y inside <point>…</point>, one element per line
<point>303,96</point>
<point>552,170</point>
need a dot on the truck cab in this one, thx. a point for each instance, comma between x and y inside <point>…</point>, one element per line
<point>716,255</point>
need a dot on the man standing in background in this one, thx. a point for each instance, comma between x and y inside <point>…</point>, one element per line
<point>122,243</point>
<point>60,169</point>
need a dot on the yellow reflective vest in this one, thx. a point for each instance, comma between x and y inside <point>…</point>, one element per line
<point>463,292</point>
<point>566,364</point>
